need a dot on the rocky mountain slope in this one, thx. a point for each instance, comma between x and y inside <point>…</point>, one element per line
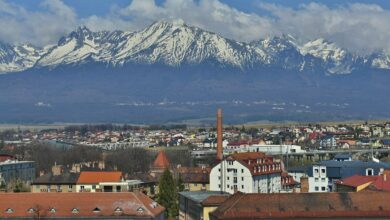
<point>177,44</point>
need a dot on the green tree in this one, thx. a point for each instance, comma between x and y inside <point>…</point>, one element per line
<point>167,195</point>
<point>180,184</point>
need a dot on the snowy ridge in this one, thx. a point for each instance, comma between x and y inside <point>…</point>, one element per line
<point>18,58</point>
<point>175,44</point>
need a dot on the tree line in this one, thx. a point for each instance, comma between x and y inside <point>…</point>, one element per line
<point>129,160</point>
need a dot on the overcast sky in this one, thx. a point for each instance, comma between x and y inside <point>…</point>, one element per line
<point>360,26</point>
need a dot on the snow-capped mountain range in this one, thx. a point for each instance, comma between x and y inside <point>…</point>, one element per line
<point>175,44</point>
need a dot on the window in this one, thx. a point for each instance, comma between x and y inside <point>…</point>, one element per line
<point>48,188</point>
<point>31,210</point>
<point>52,210</point>
<point>219,177</point>
<point>323,188</point>
<point>96,210</point>
<point>235,180</point>
<point>70,187</point>
<point>9,210</point>
<point>316,170</point>
<point>316,179</point>
<point>322,170</point>
<point>316,188</point>
<point>242,178</point>
<point>118,210</point>
<point>323,179</point>
<point>242,186</point>
<point>140,209</point>
<point>235,171</point>
<point>228,186</point>
<point>93,186</point>
<point>228,178</point>
<point>242,170</point>
<point>58,188</point>
<point>219,186</point>
<point>75,210</point>
<point>369,172</point>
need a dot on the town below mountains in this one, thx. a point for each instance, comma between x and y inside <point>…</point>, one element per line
<point>174,72</point>
<point>110,171</point>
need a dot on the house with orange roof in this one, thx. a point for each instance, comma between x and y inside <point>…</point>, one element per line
<point>357,183</point>
<point>102,181</point>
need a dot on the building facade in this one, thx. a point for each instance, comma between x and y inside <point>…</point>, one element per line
<point>252,172</point>
<point>328,142</point>
<point>50,182</point>
<point>318,180</point>
<point>17,170</point>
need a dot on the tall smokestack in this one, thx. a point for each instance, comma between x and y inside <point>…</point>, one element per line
<point>219,135</point>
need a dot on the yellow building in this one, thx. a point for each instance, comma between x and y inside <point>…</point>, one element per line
<point>197,205</point>
<point>194,178</point>
<point>55,182</point>
<point>212,203</point>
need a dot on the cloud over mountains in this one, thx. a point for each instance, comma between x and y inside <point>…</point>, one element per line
<point>358,27</point>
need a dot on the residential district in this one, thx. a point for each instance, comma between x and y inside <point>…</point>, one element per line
<point>298,171</point>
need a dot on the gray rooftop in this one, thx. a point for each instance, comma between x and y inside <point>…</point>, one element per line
<point>199,196</point>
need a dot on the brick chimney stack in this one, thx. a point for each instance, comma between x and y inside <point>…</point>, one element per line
<point>219,135</point>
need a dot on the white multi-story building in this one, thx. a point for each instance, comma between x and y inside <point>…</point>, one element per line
<point>328,142</point>
<point>318,180</point>
<point>252,172</point>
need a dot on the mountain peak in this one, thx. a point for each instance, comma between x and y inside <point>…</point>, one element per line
<point>172,42</point>
<point>81,32</point>
<point>83,29</point>
<point>169,22</point>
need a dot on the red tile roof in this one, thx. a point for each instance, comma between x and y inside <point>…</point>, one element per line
<point>4,157</point>
<point>381,182</point>
<point>287,180</point>
<point>257,162</point>
<point>99,177</point>
<point>356,180</point>
<point>161,161</point>
<point>304,205</point>
<point>96,205</point>
<point>194,174</point>
<point>215,200</point>
<point>248,155</point>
